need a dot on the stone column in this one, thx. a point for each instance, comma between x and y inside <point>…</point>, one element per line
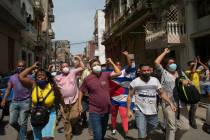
<point>187,53</point>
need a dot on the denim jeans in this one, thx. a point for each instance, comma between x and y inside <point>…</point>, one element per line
<point>19,112</point>
<point>98,124</point>
<point>145,123</point>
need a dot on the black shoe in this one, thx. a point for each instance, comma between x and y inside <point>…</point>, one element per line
<point>194,125</point>
<point>127,138</point>
<point>85,124</point>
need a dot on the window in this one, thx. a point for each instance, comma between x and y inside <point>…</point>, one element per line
<point>23,55</point>
<point>203,8</point>
<point>29,59</point>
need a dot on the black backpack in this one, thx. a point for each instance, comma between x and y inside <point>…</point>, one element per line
<point>40,113</point>
<point>186,93</point>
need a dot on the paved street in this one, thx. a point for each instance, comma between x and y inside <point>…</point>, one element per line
<point>7,133</point>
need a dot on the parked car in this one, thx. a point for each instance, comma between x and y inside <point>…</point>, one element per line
<point>3,85</point>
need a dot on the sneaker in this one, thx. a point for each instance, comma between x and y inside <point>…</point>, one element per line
<point>194,125</point>
<point>114,131</point>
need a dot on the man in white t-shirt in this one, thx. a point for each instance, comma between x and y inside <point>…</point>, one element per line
<point>145,90</point>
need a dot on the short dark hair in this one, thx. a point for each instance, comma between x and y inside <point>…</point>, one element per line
<point>93,60</point>
<point>189,62</point>
<point>166,60</point>
<point>48,74</point>
<point>143,65</point>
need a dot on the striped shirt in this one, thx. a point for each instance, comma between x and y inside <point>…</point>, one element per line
<point>146,95</point>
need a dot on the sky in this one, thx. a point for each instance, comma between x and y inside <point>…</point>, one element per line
<point>74,21</point>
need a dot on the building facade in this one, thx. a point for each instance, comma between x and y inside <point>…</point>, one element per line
<point>90,50</point>
<point>61,52</point>
<point>24,32</point>
<point>182,25</point>
<point>124,30</point>
<point>98,35</point>
<point>11,24</point>
<point>145,27</point>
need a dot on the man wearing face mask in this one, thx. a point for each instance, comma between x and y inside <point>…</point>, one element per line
<point>20,105</point>
<point>175,128</point>
<point>67,83</point>
<point>97,86</point>
<point>194,75</point>
<point>145,89</point>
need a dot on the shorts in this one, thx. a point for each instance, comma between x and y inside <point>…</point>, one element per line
<point>48,130</point>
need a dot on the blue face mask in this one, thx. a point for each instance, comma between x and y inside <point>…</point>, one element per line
<point>42,83</point>
<point>172,67</point>
<point>19,70</point>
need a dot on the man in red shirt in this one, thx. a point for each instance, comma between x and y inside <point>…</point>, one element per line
<point>97,86</point>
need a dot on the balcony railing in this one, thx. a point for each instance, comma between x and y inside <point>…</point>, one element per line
<point>51,33</point>
<point>134,9</point>
<point>173,34</point>
<point>30,33</point>
<point>51,18</point>
<point>38,6</point>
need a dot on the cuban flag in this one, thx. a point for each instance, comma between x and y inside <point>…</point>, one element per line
<point>120,88</point>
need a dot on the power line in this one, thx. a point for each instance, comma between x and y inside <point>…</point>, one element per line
<point>78,43</point>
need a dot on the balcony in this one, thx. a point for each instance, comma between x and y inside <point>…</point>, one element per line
<point>30,33</point>
<point>173,34</point>
<point>52,18</point>
<point>41,42</point>
<point>51,33</point>
<point>10,13</point>
<point>38,8</point>
<point>136,12</point>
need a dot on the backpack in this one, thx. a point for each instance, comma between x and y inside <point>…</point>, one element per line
<point>40,113</point>
<point>186,93</point>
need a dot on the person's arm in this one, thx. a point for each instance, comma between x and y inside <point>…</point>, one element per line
<point>129,64</point>
<point>159,59</point>
<point>83,90</point>
<point>202,64</point>
<point>163,95</point>
<point>129,100</point>
<point>7,93</point>
<point>80,102</point>
<point>195,66</point>
<point>117,71</point>
<point>27,82</point>
<point>80,67</point>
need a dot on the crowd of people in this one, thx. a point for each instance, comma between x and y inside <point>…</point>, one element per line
<point>46,96</point>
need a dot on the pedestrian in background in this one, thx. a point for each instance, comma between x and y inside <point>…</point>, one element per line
<point>175,127</point>
<point>21,102</point>
<point>119,93</point>
<point>67,83</point>
<point>194,75</point>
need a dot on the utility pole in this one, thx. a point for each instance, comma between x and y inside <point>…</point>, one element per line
<point>55,54</point>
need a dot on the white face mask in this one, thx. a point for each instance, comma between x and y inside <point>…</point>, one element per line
<point>133,65</point>
<point>97,69</point>
<point>66,70</point>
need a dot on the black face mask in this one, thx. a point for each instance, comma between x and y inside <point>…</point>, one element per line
<point>145,77</point>
<point>19,70</point>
